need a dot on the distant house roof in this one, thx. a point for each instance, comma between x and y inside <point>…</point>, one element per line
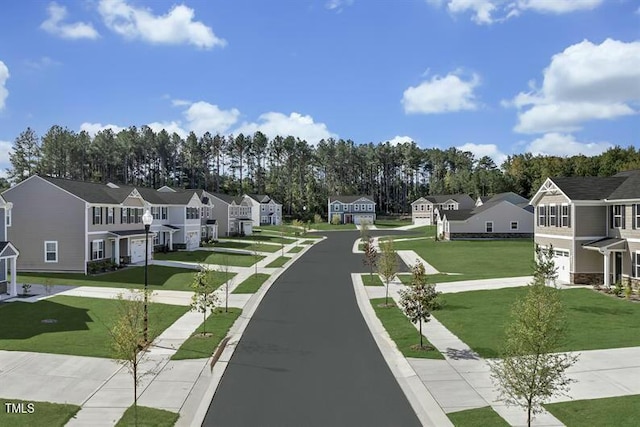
<point>629,189</point>
<point>588,187</point>
<point>510,197</point>
<point>262,198</point>
<point>349,199</point>
<point>457,215</point>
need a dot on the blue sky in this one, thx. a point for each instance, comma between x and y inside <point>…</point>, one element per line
<point>495,77</point>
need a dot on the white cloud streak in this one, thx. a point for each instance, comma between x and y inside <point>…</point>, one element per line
<point>77,30</point>
<point>4,76</point>
<point>481,150</point>
<point>558,144</point>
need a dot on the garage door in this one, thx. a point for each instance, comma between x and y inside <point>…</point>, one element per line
<point>359,219</point>
<point>422,220</point>
<point>137,250</point>
<point>562,259</point>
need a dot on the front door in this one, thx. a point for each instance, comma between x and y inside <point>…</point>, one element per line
<point>617,272</point>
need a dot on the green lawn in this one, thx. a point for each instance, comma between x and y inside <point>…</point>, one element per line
<point>480,417</point>
<point>295,249</point>
<point>159,277</point>
<point>44,414</point>
<point>609,412</point>
<point>325,226</point>
<point>371,280</point>
<point>278,262</point>
<point>252,284</point>
<point>208,257</point>
<point>248,246</point>
<point>594,321</point>
<point>390,223</point>
<point>198,346</point>
<point>476,259</point>
<point>148,417</point>
<point>308,242</point>
<point>433,278</point>
<point>81,328</point>
<point>402,331</point>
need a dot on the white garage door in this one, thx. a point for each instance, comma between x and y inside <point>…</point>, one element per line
<point>359,219</point>
<point>422,220</point>
<point>562,259</point>
<point>137,250</point>
<point>192,240</point>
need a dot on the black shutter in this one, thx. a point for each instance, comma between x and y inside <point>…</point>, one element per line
<point>102,212</point>
<point>623,208</point>
<point>611,216</point>
<point>569,216</point>
<point>93,215</point>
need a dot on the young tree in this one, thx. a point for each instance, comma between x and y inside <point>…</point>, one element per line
<point>224,269</point>
<point>127,338</point>
<point>529,372</point>
<point>420,299</point>
<point>370,255</point>
<point>204,299</point>
<point>544,268</point>
<point>387,264</point>
<point>364,231</point>
<point>257,246</point>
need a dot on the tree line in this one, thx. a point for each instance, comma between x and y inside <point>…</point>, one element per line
<point>299,175</point>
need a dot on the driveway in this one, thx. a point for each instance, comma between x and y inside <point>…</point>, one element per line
<point>307,356</point>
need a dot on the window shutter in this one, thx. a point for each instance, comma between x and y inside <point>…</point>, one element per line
<point>569,216</point>
<point>634,262</point>
<point>633,216</point>
<point>102,212</point>
<point>611,216</point>
<point>624,211</point>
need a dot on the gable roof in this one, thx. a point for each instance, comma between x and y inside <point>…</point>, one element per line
<point>588,187</point>
<point>462,199</point>
<point>350,199</point>
<point>629,189</point>
<point>457,215</point>
<point>95,192</point>
<point>510,197</point>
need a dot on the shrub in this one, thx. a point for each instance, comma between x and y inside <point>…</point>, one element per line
<point>628,291</point>
<point>617,289</point>
<point>317,219</point>
<point>335,219</point>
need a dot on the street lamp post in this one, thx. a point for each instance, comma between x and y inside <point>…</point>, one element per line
<point>147,219</point>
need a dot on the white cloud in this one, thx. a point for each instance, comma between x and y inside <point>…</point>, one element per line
<point>558,144</point>
<point>180,102</point>
<point>273,124</point>
<point>204,117</point>
<point>54,25</point>
<point>481,150</point>
<point>558,6</point>
<point>490,11</point>
<point>41,63</point>
<point>337,5</point>
<point>175,27</point>
<point>441,95</point>
<point>584,82</point>
<point>400,140</point>
<point>170,127</point>
<point>93,128</point>
<point>4,76</point>
<point>5,150</point>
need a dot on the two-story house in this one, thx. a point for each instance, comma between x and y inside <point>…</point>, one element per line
<point>351,209</point>
<point>208,221</point>
<point>424,211</point>
<point>593,224</point>
<point>8,253</point>
<point>233,214</point>
<point>65,224</point>
<point>505,215</point>
<point>264,210</point>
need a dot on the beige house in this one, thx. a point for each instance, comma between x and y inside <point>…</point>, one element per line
<point>424,211</point>
<point>593,224</point>
<point>505,215</point>
<point>63,225</point>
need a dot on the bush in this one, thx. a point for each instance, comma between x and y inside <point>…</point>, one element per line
<point>628,291</point>
<point>317,219</point>
<point>617,289</point>
<point>335,219</point>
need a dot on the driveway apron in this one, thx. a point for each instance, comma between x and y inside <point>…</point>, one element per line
<point>307,357</point>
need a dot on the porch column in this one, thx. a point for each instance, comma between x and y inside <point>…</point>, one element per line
<point>13,287</point>
<point>116,252</point>
<point>607,268</point>
<point>171,241</point>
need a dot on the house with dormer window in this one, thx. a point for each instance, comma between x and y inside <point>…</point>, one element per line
<point>593,225</point>
<point>351,209</point>
<point>8,252</point>
<point>65,224</point>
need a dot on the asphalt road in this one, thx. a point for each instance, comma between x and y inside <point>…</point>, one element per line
<point>307,357</point>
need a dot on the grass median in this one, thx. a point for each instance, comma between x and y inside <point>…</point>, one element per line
<point>199,346</point>
<point>18,413</point>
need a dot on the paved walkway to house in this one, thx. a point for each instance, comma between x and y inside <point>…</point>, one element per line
<point>462,381</point>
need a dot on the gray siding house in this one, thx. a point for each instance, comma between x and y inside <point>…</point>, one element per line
<point>232,214</point>
<point>8,253</point>
<point>351,209</point>
<point>65,224</point>
<point>264,210</point>
<point>424,211</point>
<point>593,225</point>
<point>505,215</point>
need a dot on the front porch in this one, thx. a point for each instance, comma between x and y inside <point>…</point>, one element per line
<point>8,260</point>
<point>612,250</point>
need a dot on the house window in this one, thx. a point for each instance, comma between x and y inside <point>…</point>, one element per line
<point>155,212</point>
<point>421,207</point>
<point>552,215</point>
<point>8,216</point>
<point>415,208</point>
<point>488,226</point>
<point>617,216</point>
<point>123,216</point>
<point>97,249</point>
<point>636,215</point>
<point>370,207</point>
<point>202,212</point>
<point>542,216</point>
<point>50,251</point>
<point>565,214</point>
<point>193,213</point>
<point>428,207</point>
<point>110,215</point>
<point>138,213</point>
<point>163,212</point>
<point>129,216</point>
<point>451,206</point>
<point>514,225</point>
<point>97,215</point>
